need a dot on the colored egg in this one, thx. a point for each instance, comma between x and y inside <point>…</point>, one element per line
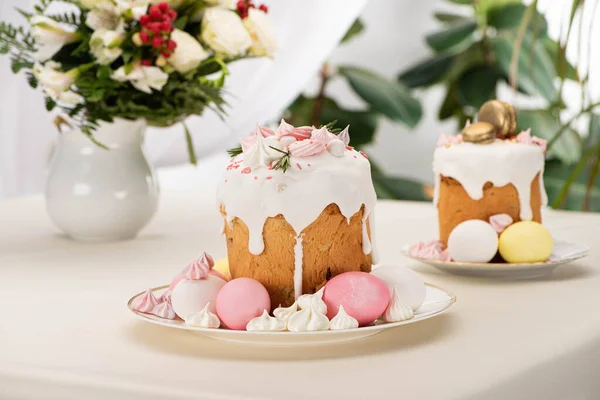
<point>410,287</point>
<point>525,242</point>
<point>240,301</point>
<point>364,296</point>
<point>473,241</point>
<point>222,267</point>
<point>192,296</point>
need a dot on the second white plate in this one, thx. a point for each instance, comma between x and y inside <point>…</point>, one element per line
<point>563,252</point>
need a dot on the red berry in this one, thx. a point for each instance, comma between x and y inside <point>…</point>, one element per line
<point>155,27</point>
<point>155,12</point>
<point>166,53</point>
<point>172,14</point>
<point>264,8</point>
<point>166,26</point>
<point>157,41</point>
<point>145,20</point>
<point>144,36</point>
<point>146,62</point>
<point>171,45</point>
<point>164,7</point>
<point>241,3</point>
<point>244,14</point>
<point>242,8</point>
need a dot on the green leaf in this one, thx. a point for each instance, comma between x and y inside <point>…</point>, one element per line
<point>477,86</point>
<point>448,18</point>
<point>556,176</point>
<point>104,72</point>
<point>536,71</point>
<point>32,80</point>
<point>462,2</point>
<point>465,60</point>
<point>450,106</point>
<point>385,96</point>
<point>50,104</point>
<point>551,47</point>
<point>456,35</point>
<point>356,29</point>
<point>181,22</point>
<point>544,124</point>
<point>509,16</point>
<point>428,72</point>
<point>593,137</point>
<point>391,187</point>
<point>190,145</point>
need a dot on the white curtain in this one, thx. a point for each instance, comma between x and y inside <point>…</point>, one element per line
<point>308,30</point>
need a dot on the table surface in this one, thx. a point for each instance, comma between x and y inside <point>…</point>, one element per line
<point>66,332</point>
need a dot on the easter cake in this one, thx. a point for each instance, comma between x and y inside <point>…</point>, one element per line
<point>298,208</point>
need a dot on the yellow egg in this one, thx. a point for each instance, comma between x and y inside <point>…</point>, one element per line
<point>222,266</point>
<point>525,242</point>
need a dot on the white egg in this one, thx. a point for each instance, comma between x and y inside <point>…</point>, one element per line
<point>473,241</point>
<point>336,147</point>
<point>409,285</point>
<point>192,296</point>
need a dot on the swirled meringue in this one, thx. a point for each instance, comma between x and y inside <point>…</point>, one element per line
<point>316,300</point>
<point>284,313</point>
<point>145,303</point>
<point>198,269</point>
<point>249,141</point>
<point>500,222</point>
<point>203,319</point>
<point>164,310</point>
<point>263,151</point>
<point>306,148</point>
<point>308,320</point>
<point>344,135</point>
<point>266,323</point>
<point>343,321</point>
<point>300,133</point>
<point>397,310</point>
<point>433,250</point>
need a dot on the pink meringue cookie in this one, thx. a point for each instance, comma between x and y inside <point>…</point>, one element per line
<point>145,303</point>
<point>433,250</point>
<point>525,137</point>
<point>299,133</point>
<point>248,141</point>
<point>306,148</point>
<point>500,222</point>
<point>164,310</point>
<point>446,140</point>
<point>322,135</point>
<point>166,296</point>
<point>198,269</point>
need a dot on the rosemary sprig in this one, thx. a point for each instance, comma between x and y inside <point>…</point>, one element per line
<point>284,163</point>
<point>236,151</point>
<point>331,127</point>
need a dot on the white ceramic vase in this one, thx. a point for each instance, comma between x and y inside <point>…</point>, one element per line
<point>94,194</point>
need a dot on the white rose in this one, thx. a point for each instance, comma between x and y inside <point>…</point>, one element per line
<point>142,78</point>
<point>224,32</point>
<point>262,32</point>
<point>104,16</point>
<point>104,45</point>
<point>137,8</point>
<point>56,84</point>
<point>188,54</point>
<point>49,36</point>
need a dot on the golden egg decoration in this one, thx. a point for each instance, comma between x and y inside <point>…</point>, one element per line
<point>501,115</point>
<point>479,132</point>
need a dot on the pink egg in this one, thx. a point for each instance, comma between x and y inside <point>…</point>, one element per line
<point>241,300</point>
<point>364,296</point>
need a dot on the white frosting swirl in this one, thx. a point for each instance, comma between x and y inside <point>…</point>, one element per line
<point>397,310</point>
<point>316,300</point>
<point>263,152</point>
<point>266,323</point>
<point>343,321</point>
<point>284,313</point>
<point>308,320</point>
<point>203,319</point>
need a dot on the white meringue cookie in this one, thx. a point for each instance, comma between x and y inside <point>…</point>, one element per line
<point>203,319</point>
<point>284,313</point>
<point>397,310</point>
<point>266,323</point>
<point>343,321</point>
<point>308,320</point>
<point>286,141</point>
<point>336,147</point>
<point>344,135</point>
<point>306,300</point>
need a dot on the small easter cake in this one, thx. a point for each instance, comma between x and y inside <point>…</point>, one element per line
<point>488,170</point>
<point>298,207</point>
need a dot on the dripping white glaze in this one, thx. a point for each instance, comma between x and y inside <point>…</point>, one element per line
<point>298,257</point>
<point>366,242</point>
<point>500,163</point>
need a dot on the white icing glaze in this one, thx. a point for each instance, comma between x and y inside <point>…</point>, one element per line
<point>298,258</point>
<point>203,319</point>
<point>313,300</point>
<point>500,163</point>
<point>366,242</point>
<point>397,310</point>
<point>266,323</point>
<point>284,313</point>
<point>308,320</point>
<point>343,321</point>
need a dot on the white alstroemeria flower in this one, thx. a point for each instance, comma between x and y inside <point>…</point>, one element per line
<point>56,84</point>
<point>104,45</point>
<point>137,8</point>
<point>104,16</point>
<point>188,54</point>
<point>262,32</point>
<point>224,32</point>
<point>49,36</point>
<point>142,78</point>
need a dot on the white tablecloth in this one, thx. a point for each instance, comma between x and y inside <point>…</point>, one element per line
<point>65,331</point>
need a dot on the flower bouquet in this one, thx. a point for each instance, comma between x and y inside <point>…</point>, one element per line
<point>160,61</point>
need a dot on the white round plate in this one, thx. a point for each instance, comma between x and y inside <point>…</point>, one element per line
<point>562,253</point>
<point>436,302</point>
